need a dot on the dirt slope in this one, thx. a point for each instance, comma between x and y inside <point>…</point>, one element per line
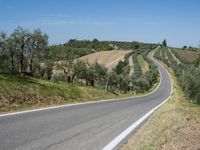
<point>131,66</point>
<point>107,58</point>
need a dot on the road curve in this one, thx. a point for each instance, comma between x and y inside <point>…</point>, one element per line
<point>86,127</point>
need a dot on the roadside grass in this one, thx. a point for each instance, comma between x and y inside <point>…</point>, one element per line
<point>176,125</point>
<point>21,93</point>
<point>143,64</point>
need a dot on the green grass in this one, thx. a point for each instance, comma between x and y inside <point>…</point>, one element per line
<point>20,92</point>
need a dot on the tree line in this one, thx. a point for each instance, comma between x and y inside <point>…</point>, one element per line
<point>21,51</point>
<point>27,52</point>
<point>94,44</point>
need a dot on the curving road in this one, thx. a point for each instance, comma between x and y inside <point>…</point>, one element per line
<point>86,126</point>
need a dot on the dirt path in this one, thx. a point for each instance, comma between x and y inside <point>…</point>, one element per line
<point>143,64</point>
<point>131,66</point>
<point>167,57</point>
<point>175,58</point>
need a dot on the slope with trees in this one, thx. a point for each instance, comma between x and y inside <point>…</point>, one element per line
<point>187,74</point>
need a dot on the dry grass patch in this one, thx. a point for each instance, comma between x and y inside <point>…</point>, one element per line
<point>131,66</point>
<point>187,138</point>
<point>189,56</point>
<point>143,64</point>
<point>109,59</point>
<point>175,58</point>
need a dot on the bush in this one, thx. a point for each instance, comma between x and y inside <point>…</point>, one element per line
<point>142,84</point>
<point>59,77</point>
<point>119,68</point>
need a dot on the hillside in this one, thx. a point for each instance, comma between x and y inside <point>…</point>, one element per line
<point>21,92</point>
<point>29,65</point>
<point>186,55</point>
<point>109,59</point>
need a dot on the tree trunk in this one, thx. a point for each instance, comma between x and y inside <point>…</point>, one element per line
<point>12,62</point>
<point>22,59</point>
<point>31,65</point>
<point>107,81</point>
<point>22,63</point>
<point>73,76</point>
<point>92,82</point>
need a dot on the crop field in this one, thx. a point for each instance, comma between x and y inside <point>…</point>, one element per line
<point>189,56</point>
<point>109,59</point>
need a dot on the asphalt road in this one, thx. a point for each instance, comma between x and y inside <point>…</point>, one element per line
<point>85,127</point>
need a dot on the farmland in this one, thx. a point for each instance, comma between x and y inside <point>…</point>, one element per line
<point>187,72</point>
<point>144,65</point>
<point>176,124</point>
<point>186,55</point>
<point>109,59</point>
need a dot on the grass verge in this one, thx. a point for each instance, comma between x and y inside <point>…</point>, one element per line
<point>21,93</point>
<point>176,125</point>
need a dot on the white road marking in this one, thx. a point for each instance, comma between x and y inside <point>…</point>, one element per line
<point>126,132</point>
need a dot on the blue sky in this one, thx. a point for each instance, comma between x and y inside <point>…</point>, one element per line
<point>129,20</point>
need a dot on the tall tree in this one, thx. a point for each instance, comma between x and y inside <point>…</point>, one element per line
<point>21,37</point>
<point>164,43</point>
<point>3,51</point>
<point>36,46</point>
<point>12,46</point>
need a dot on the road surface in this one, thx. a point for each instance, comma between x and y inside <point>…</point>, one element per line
<point>86,127</point>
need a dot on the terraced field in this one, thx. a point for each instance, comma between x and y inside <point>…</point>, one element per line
<point>143,64</point>
<point>174,57</point>
<point>185,55</point>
